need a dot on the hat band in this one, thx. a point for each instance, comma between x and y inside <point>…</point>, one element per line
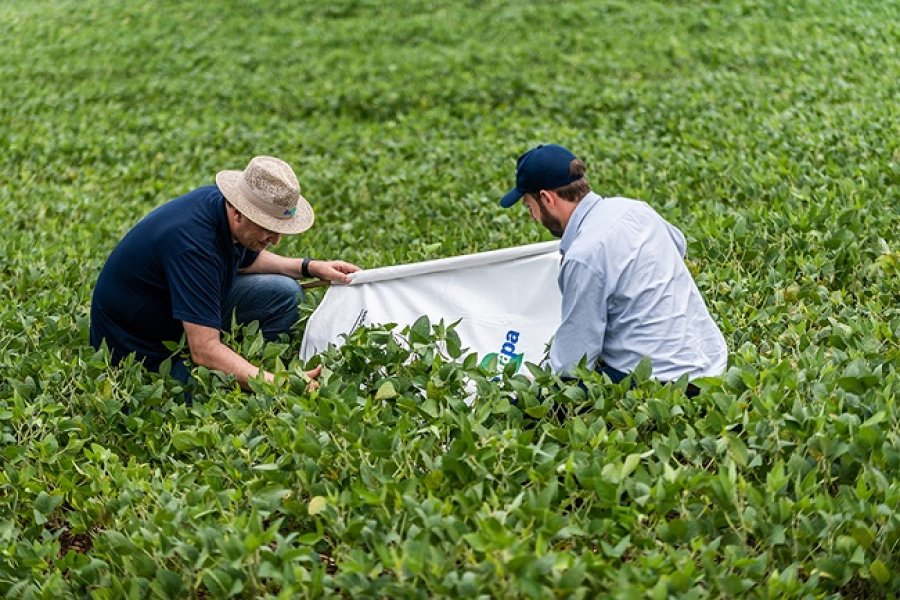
<point>270,208</point>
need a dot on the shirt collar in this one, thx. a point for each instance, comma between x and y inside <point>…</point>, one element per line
<point>585,205</point>
<point>224,229</point>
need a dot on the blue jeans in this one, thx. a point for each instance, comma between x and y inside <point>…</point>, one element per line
<point>270,299</point>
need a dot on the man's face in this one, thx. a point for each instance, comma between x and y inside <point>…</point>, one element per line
<point>252,236</point>
<point>539,213</point>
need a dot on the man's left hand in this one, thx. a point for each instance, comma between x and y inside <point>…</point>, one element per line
<point>332,270</point>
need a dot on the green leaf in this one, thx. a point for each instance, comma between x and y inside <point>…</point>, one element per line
<point>631,463</point>
<point>863,536</point>
<point>618,550</point>
<point>386,391</point>
<point>643,370</point>
<point>167,584</point>
<point>118,542</point>
<point>269,497</point>
<point>880,571</point>
<point>454,344</point>
<point>777,538</point>
<point>538,412</point>
<point>46,503</point>
<point>738,450</point>
<point>309,539</point>
<point>420,331</point>
<point>266,467</point>
<point>185,440</point>
<point>317,504</point>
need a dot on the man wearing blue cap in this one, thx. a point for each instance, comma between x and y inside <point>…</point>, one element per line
<point>626,292</point>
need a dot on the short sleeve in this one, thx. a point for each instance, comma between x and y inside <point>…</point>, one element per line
<point>196,283</point>
<point>248,259</point>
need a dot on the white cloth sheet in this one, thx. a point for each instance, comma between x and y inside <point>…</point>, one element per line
<point>507,300</point>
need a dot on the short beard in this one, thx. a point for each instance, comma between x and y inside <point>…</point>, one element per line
<point>553,225</point>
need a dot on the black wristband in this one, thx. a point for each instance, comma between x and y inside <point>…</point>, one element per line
<point>304,269</point>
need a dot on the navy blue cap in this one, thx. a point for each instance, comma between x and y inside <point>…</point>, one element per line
<point>541,168</point>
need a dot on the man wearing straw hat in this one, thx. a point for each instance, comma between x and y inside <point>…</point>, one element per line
<point>626,291</point>
<point>192,263</point>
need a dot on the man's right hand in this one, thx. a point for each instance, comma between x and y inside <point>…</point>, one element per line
<point>208,350</point>
<point>332,270</point>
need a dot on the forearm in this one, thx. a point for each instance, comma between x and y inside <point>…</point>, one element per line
<point>582,327</point>
<point>326,270</point>
<point>567,350</point>
<point>269,262</point>
<point>218,356</point>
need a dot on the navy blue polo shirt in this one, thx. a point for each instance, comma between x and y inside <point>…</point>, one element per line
<point>177,264</point>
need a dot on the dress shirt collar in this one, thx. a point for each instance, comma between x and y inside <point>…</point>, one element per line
<point>585,205</point>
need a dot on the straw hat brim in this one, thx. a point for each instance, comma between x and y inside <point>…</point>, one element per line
<point>228,183</point>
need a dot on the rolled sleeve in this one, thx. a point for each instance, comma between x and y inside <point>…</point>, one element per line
<point>584,316</point>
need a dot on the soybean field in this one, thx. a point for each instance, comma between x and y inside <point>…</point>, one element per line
<point>768,132</point>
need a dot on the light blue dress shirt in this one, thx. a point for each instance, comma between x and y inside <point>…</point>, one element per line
<point>627,294</point>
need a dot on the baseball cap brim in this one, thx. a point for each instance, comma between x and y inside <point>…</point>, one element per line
<point>511,197</point>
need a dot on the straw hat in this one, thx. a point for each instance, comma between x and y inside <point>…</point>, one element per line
<point>267,192</point>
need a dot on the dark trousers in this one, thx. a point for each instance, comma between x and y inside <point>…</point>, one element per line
<point>617,376</point>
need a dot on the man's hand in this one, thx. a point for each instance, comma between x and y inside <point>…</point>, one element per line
<point>332,270</point>
<point>208,350</point>
<point>325,270</point>
<point>313,376</point>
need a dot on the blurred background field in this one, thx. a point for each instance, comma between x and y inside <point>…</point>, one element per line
<point>767,131</point>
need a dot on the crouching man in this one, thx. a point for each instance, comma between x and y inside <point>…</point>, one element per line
<point>626,291</point>
<point>191,263</point>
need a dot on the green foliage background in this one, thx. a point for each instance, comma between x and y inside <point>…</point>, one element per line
<point>767,131</point>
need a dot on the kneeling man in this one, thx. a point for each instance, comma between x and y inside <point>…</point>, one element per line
<point>626,291</point>
<point>191,263</point>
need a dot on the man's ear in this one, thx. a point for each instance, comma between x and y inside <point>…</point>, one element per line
<point>548,198</point>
